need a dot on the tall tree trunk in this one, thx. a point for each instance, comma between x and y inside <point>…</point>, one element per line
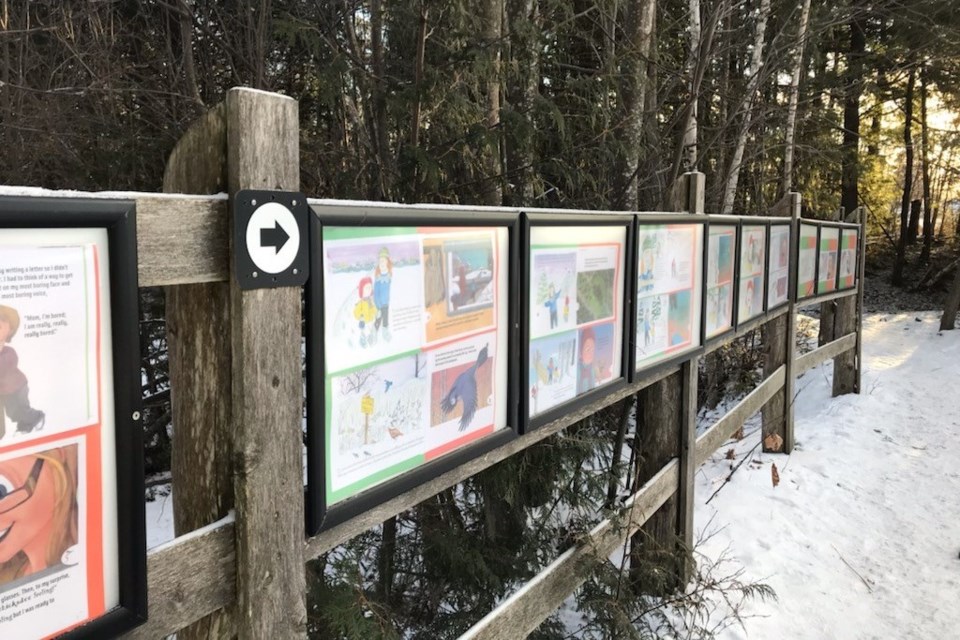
<point>840,318</point>
<point>652,194</point>
<point>928,222</point>
<point>952,305</point>
<point>186,43</point>
<point>492,193</point>
<point>916,206</point>
<point>794,98</point>
<point>386,561</point>
<point>690,137</point>
<point>418,90</point>
<point>638,32</point>
<point>746,109</point>
<point>522,89</point>
<point>897,277</point>
<point>379,100</point>
<point>690,110</point>
<point>5,69</point>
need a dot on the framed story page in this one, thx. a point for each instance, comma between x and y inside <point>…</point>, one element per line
<point>778,265</point>
<point>409,350</point>
<point>849,237</point>
<point>575,307</point>
<point>829,256</point>
<point>669,281</point>
<point>72,530</point>
<point>753,262</point>
<point>721,251</point>
<point>807,260</point>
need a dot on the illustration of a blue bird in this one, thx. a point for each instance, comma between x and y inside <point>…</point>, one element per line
<point>464,390</point>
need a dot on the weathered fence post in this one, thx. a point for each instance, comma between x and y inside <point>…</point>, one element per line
<point>846,365</point>
<point>689,372</point>
<point>263,152</point>
<point>666,424</point>
<point>861,269</point>
<point>779,339</point>
<point>236,378</point>
<point>198,339</point>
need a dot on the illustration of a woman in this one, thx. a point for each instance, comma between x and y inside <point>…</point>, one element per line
<point>382,277</point>
<point>38,511</point>
<point>14,391</point>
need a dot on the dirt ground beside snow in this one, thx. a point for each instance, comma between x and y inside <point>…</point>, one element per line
<point>861,538</point>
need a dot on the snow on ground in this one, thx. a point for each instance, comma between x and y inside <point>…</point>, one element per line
<point>159,515</point>
<point>861,537</point>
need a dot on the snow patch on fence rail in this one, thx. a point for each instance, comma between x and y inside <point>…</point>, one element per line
<point>38,192</point>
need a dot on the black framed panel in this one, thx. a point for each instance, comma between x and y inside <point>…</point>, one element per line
<point>849,251</point>
<point>71,440</point>
<point>779,259</point>
<point>752,269</point>
<point>808,237</point>
<point>828,257</point>
<point>412,336</point>
<point>576,309</point>
<point>669,272</point>
<point>721,274</point>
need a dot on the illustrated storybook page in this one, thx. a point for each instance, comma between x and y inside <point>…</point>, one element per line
<point>415,339</point>
<point>669,290</point>
<point>721,253</point>
<point>575,311</point>
<point>753,242</point>
<point>848,258</point>
<point>807,261</point>
<point>59,563</point>
<point>779,265</point>
<point>829,254</point>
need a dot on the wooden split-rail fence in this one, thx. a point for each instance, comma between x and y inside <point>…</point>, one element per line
<point>237,565</point>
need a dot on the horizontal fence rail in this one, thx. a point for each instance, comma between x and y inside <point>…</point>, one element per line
<point>714,437</point>
<point>827,352</point>
<point>525,610</point>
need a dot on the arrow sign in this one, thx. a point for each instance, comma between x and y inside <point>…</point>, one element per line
<point>270,239</point>
<point>275,237</point>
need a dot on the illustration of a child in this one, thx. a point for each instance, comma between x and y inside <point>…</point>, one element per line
<point>589,369</point>
<point>365,312</point>
<point>551,305</point>
<point>382,277</point>
<point>648,254</point>
<point>566,308</point>
<point>14,391</point>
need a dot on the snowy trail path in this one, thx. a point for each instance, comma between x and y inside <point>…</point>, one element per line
<point>872,488</point>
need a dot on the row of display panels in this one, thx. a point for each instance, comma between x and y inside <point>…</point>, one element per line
<point>432,341</point>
